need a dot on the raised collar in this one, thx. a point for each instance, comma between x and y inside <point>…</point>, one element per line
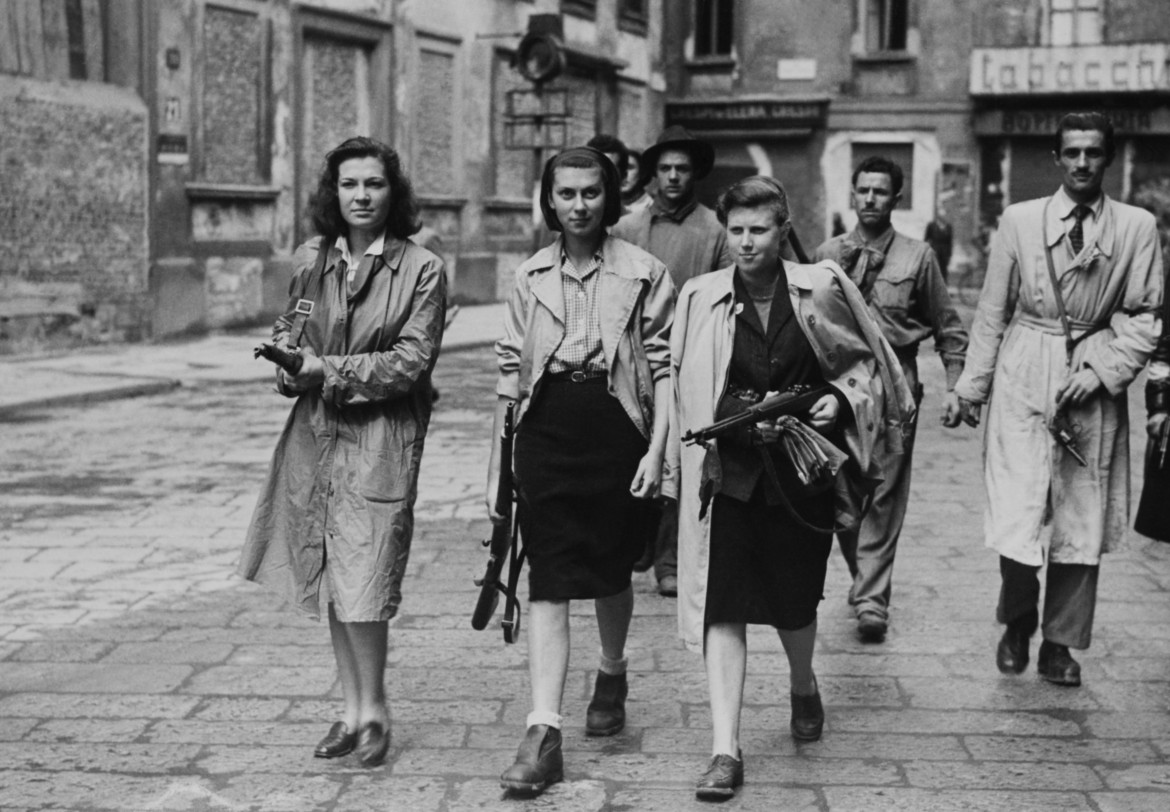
<point>723,281</point>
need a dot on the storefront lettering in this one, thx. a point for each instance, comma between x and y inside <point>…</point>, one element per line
<point>1074,69</point>
<point>1024,122</point>
<point>752,114</point>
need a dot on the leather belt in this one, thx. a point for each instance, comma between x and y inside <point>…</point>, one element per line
<point>576,376</point>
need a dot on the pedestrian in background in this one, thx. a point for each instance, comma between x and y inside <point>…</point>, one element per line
<point>585,357</point>
<point>333,526</point>
<point>684,234</point>
<point>1068,316</point>
<point>754,536</point>
<point>900,279</point>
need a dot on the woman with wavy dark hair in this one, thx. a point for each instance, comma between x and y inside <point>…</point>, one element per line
<point>334,522</point>
<point>585,358</point>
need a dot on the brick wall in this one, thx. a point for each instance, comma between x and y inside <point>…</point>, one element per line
<point>73,211</point>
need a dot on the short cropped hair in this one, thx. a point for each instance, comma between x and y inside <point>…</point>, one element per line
<point>755,192</point>
<point>1090,120</point>
<point>582,158</point>
<point>325,209</point>
<point>603,142</point>
<point>881,164</point>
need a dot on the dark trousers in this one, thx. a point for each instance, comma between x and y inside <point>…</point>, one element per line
<point>665,542</point>
<point>1070,600</point>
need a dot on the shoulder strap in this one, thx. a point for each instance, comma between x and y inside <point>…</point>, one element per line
<point>1069,344</point>
<point>310,290</point>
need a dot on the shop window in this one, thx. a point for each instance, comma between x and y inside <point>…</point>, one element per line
<point>713,28</point>
<point>884,25</point>
<point>1074,22</point>
<point>900,153</point>
<point>580,8</point>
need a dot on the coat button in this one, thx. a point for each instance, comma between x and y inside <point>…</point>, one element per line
<point>812,320</point>
<point>832,357</point>
<point>852,382</point>
<point>869,426</point>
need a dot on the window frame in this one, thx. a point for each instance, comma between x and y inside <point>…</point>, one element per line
<point>1075,11</point>
<point>714,31</point>
<point>884,52</point>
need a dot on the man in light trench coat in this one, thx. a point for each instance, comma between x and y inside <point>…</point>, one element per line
<point>1042,501</point>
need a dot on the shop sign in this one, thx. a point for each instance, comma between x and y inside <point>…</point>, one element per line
<point>1134,68</point>
<point>771,114</point>
<point>1126,121</point>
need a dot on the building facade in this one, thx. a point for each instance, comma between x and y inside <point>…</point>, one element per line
<point>159,156</point>
<point>963,94</point>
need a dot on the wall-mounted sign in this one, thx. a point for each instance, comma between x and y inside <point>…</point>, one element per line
<point>1126,121</point>
<point>1137,68</point>
<point>796,70</point>
<point>747,114</point>
<point>172,149</point>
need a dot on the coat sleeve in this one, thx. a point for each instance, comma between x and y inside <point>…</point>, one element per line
<point>678,335</point>
<point>997,303</point>
<point>304,258</point>
<point>379,376</point>
<point>950,337</point>
<point>509,347</point>
<point>1137,325</point>
<point>657,318</point>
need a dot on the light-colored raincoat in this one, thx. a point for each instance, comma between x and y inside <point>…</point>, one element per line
<point>1036,492</point>
<point>344,476</point>
<point>854,358</point>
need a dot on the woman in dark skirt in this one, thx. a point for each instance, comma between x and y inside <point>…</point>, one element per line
<point>1153,515</point>
<point>754,528</point>
<point>585,356</point>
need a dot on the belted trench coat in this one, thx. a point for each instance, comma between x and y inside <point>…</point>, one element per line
<point>854,358</point>
<point>343,479</point>
<point>636,307</point>
<point>1038,496</point>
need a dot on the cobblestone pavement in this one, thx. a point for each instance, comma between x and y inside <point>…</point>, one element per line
<point>136,674</point>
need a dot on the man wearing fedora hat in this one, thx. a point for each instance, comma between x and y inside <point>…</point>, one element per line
<point>686,236</point>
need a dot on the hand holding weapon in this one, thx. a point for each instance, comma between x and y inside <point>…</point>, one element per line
<point>288,360</point>
<point>794,401</point>
<point>1064,431</point>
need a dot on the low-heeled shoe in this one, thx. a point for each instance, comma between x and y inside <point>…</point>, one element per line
<point>539,762</point>
<point>871,627</point>
<point>337,742</point>
<point>808,717</point>
<point>606,715</point>
<point>1011,655</point>
<point>668,586</point>
<point>721,778</point>
<point>373,743</point>
<point>1056,665</point>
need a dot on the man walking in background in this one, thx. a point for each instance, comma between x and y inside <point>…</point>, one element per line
<point>901,281</point>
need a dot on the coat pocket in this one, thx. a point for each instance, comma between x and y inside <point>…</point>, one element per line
<point>389,460</point>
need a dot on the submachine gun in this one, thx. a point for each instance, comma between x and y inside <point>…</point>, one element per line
<point>288,360</point>
<point>794,401</point>
<point>504,545</point>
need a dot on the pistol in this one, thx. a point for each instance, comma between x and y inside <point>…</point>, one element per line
<point>288,360</point>
<point>1063,431</point>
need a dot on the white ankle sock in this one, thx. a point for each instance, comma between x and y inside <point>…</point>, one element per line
<point>545,718</point>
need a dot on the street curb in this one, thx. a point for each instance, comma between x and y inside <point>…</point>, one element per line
<point>118,392</point>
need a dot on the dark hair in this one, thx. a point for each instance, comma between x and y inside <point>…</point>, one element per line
<point>605,143</point>
<point>582,158</point>
<point>758,191</point>
<point>883,165</point>
<point>325,210</point>
<point>1090,120</point>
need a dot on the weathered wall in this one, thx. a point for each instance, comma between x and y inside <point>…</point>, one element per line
<point>73,210</point>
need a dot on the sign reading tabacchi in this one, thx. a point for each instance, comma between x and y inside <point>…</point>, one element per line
<point>747,114</point>
<point>1073,69</point>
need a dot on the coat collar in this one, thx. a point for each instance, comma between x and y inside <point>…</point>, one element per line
<point>1058,207</point>
<point>723,282</point>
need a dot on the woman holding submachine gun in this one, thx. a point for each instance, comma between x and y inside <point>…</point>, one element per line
<point>585,359</point>
<point>1153,516</point>
<point>792,345</point>
<point>333,525</point>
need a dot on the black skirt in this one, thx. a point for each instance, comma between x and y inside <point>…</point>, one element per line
<point>576,453</point>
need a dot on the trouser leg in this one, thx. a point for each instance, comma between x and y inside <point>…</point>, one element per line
<point>666,542</point>
<point>1019,595</point>
<point>869,551</point>
<point>1070,601</point>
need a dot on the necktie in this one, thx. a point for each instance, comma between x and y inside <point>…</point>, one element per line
<point>1076,234</point>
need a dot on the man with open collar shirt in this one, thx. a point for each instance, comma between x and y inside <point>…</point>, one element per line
<point>903,285</point>
<point>1061,356</point>
<point>685,236</point>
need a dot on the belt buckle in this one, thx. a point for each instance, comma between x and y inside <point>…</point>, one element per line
<point>577,376</point>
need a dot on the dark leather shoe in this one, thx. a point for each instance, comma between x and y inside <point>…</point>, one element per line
<point>539,762</point>
<point>1011,656</point>
<point>1057,666</point>
<point>871,627</point>
<point>721,778</point>
<point>373,743</point>
<point>607,710</point>
<point>668,586</point>
<point>808,717</point>
<point>337,742</point>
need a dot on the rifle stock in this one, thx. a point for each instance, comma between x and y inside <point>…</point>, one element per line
<point>502,539</point>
